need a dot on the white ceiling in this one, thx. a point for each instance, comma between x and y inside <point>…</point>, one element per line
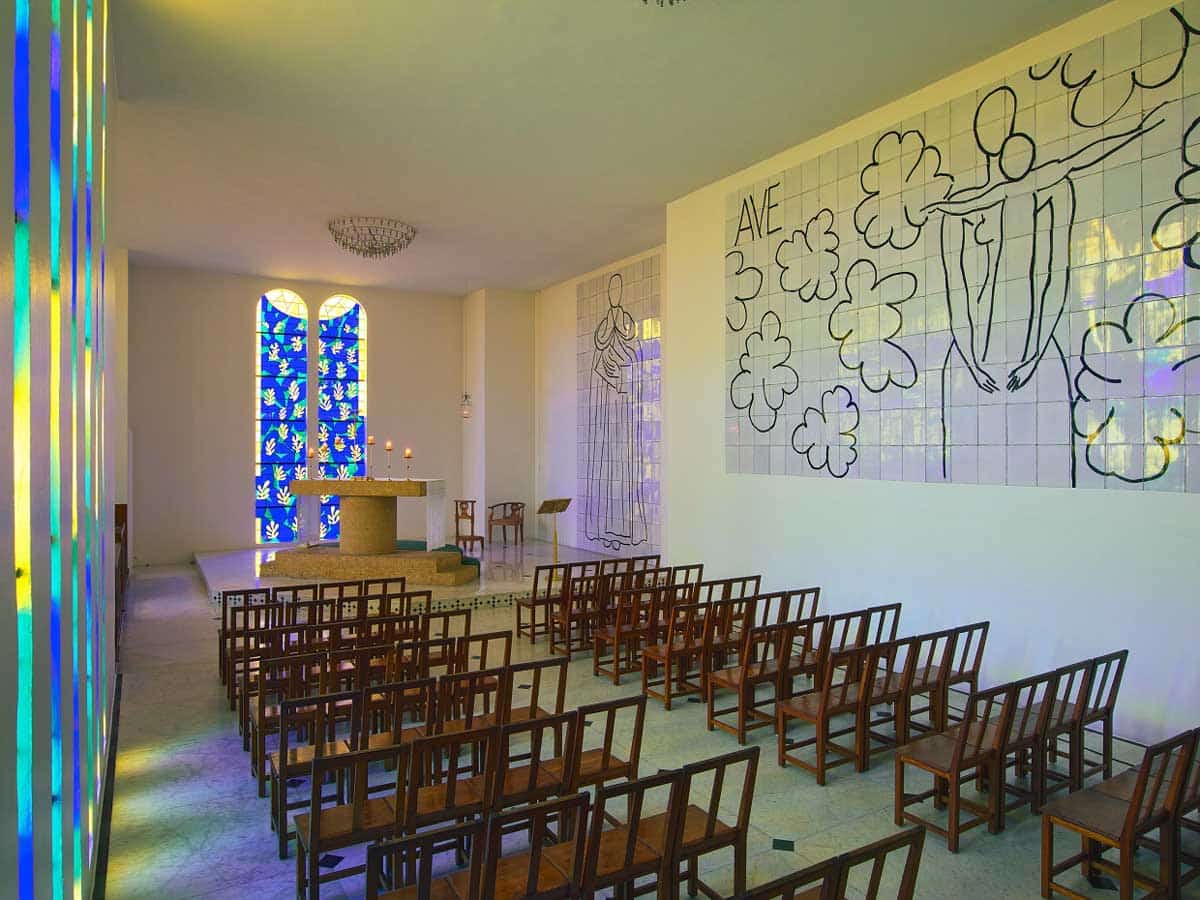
<point>528,140</point>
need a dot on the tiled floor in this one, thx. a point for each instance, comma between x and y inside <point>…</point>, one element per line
<point>186,821</point>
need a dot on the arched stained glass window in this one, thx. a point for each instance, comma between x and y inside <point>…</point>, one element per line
<point>281,396</point>
<point>342,400</point>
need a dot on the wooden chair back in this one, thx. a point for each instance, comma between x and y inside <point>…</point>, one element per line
<point>487,650</point>
<point>973,738</point>
<point>530,768</point>
<point>641,799</point>
<point>231,600</point>
<point>1190,801</point>
<point>909,842</point>
<point>645,561</point>
<point>353,769</point>
<point>633,609</point>
<point>691,574</point>
<point>841,683</point>
<point>415,602</point>
<point>451,623</point>
<point>464,511</point>
<point>627,714</point>
<point>314,721</point>
<point>536,821</point>
<point>663,599</point>
<point>1068,700</point>
<point>816,882</point>
<point>465,700</point>
<point>310,612</point>
<point>728,588</point>
<point>340,590</point>
<point>811,640</point>
<point>929,662</point>
<point>1160,784</point>
<point>888,668</point>
<point>294,593</point>
<point>967,657</point>
<point>292,676</point>
<point>1029,709</point>
<point>767,650</point>
<point>730,619</point>
<point>375,586</point>
<point>844,629</point>
<point>410,859</point>
<point>427,658</point>
<point>787,606</point>
<point>711,784</point>
<point>685,623</point>
<point>546,681</point>
<point>395,706</point>
<point>1107,672</point>
<point>452,777</point>
<point>881,624</point>
<point>548,581</point>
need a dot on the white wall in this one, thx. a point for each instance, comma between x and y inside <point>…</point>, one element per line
<point>555,319</point>
<point>474,429</point>
<point>509,397</point>
<point>191,400</point>
<point>1061,574</point>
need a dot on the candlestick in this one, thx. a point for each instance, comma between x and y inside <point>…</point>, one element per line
<point>408,463</point>
<point>388,447</point>
<point>408,452</point>
<point>307,474</point>
<point>370,440</point>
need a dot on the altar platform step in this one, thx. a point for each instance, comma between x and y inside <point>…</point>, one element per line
<point>437,568</point>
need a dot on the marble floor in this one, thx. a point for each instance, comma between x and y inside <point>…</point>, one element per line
<point>186,821</point>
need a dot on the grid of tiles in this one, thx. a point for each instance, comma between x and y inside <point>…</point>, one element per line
<point>619,409</point>
<point>1000,290</point>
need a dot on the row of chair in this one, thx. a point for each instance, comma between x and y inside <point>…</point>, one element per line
<point>1017,726</point>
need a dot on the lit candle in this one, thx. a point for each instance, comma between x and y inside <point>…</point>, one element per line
<point>408,452</point>
<point>311,454</point>
<point>370,440</point>
<point>388,446</point>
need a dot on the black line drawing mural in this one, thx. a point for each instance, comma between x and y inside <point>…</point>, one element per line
<point>1176,226</point>
<point>1148,350</point>
<point>743,293</point>
<point>825,436</point>
<point>614,509</point>
<point>903,173</point>
<point>1029,284</point>
<point>764,378</point>
<point>872,310</point>
<point>1093,103</point>
<point>808,260</point>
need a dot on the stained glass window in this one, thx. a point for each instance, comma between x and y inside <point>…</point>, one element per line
<point>282,398</point>
<point>342,400</point>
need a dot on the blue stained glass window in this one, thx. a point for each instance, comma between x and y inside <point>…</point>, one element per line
<point>281,395</point>
<point>341,400</point>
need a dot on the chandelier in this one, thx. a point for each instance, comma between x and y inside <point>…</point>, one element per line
<point>371,236</point>
<point>662,2</point>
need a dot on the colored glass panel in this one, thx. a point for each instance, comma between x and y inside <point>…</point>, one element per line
<point>341,400</point>
<point>281,400</point>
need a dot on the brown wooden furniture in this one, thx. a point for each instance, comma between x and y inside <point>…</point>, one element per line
<point>340,590</point>
<point>467,538</point>
<point>690,574</point>
<point>927,664</point>
<point>574,613</point>
<point>281,677</point>
<point>452,777</point>
<point>820,881</point>
<point>738,588</point>
<point>600,765</point>
<point>552,866</point>
<point>839,694</point>
<point>778,607</point>
<point>404,867</point>
<point>547,587</point>
<point>810,646</point>
<point>470,700</point>
<point>361,819</point>
<point>1029,704</point>
<point>644,844</point>
<point>1105,683</point>
<point>1067,705</point>
<point>546,682</point>
<point>678,656</point>
<point>763,662</point>
<point>230,600</point>
<point>243,643</point>
<point>963,753</point>
<point>617,645</point>
<point>398,712</point>
<point>504,516</point>
<point>537,759</point>
<point>707,786</point>
<point>311,718</point>
<point>965,663</point>
<point>1106,822</point>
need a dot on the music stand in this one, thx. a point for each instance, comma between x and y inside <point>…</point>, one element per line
<point>553,508</point>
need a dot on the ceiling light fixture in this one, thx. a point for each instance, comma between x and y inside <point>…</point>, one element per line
<point>663,2</point>
<point>371,236</point>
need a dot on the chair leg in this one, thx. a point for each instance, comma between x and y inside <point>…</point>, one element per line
<point>301,871</point>
<point>822,727</point>
<point>745,698</point>
<point>952,826</point>
<point>898,807</point>
<point>1108,746</point>
<point>1047,853</point>
<point>1126,872</point>
<point>739,865</point>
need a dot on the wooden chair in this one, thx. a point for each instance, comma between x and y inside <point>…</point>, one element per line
<point>739,588</point>
<point>427,658</point>
<point>340,590</point>
<point>928,665</point>
<point>551,867</point>
<point>840,693</point>
<point>282,677</point>
<point>1106,822</point>
<point>445,623</point>
<point>679,656</point>
<point>1107,672</point>
<point>465,700</point>
<point>504,516</point>
<point>715,782</point>
<point>406,865</point>
<point>600,765</point>
<point>294,593</point>
<point>574,613</point>
<point>690,574</point>
<point>1185,867</point>
<point>243,643</point>
<point>360,820</point>
<point>1029,705</point>
<point>645,844</point>
<point>889,670</point>
<point>444,788</point>
<point>547,587</point>
<point>398,712</point>
<point>821,881</point>
<point>786,606</point>
<point>1067,706</point>
<point>464,511</point>
<point>314,718</point>
<point>537,760</point>
<point>910,842</point>
<point>546,681</point>
<point>764,663</point>
<point>492,649</point>
<point>617,646</point>
<point>961,754</point>
<point>229,600</point>
<point>396,585</point>
<point>725,625</point>
<point>965,663</point>
<point>810,647</point>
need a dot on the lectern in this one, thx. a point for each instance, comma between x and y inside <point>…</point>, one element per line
<point>553,508</point>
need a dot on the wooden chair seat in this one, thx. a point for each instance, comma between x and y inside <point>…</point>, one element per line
<point>433,798</point>
<point>934,752</point>
<point>379,816</point>
<point>647,849</point>
<point>516,780</point>
<point>592,770</point>
<point>387,738</point>
<point>694,830</point>
<point>733,677</point>
<point>511,873</point>
<point>439,889</point>
<point>303,755</point>
<point>677,648</point>
<point>455,726</point>
<point>1092,810</point>
<point>525,713</point>
<point>808,706</point>
<point>1119,786</point>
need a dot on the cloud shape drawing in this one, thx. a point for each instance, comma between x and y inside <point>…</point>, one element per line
<point>748,281</point>
<point>1149,350</point>
<point>871,352</point>
<point>765,377</point>
<point>903,176</point>
<point>826,435</point>
<point>1175,226</point>
<point>1096,100</point>
<point>808,260</point>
